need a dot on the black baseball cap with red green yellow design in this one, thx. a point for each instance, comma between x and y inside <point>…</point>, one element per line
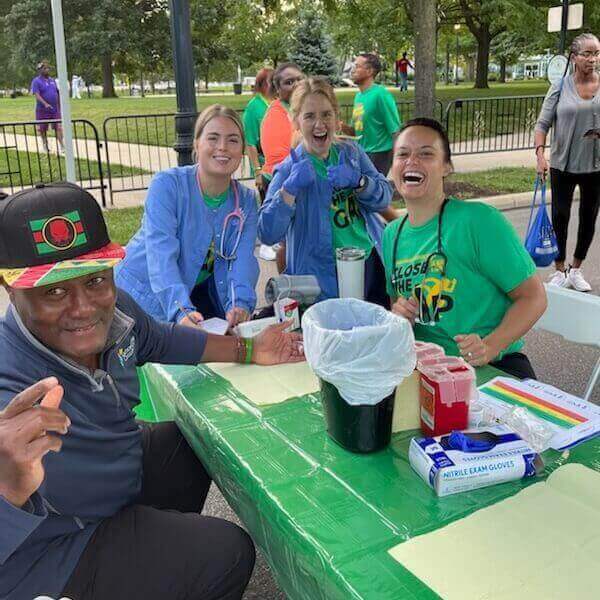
<point>51,233</point>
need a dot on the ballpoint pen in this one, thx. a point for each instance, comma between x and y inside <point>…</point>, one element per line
<point>187,313</point>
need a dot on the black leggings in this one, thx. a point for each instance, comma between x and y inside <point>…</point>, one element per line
<point>563,186</point>
<point>160,547</point>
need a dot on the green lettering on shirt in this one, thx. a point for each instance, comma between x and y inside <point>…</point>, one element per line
<point>347,223</point>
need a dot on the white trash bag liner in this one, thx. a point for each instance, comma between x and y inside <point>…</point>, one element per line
<point>362,349</point>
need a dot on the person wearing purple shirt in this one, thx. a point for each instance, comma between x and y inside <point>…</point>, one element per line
<point>47,106</point>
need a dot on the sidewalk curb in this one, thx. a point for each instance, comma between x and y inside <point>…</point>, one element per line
<point>508,201</point>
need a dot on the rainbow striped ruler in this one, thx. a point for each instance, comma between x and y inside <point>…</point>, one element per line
<point>571,419</point>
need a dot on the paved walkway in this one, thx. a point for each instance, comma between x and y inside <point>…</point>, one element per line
<point>156,158</point>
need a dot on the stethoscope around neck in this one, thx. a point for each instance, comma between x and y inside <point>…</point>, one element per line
<point>439,257</point>
<point>236,215</point>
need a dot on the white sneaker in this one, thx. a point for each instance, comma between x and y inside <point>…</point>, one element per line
<point>577,282</point>
<point>558,279</point>
<point>266,252</point>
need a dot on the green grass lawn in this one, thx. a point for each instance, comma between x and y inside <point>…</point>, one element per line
<point>124,222</point>
<point>506,180</point>
<point>21,168</point>
<point>161,132</point>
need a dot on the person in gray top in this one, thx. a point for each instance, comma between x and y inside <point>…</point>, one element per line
<point>572,109</point>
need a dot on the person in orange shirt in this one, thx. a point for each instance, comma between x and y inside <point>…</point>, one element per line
<point>278,135</point>
<point>277,131</point>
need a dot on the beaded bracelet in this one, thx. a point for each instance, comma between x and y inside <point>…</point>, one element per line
<point>249,345</point>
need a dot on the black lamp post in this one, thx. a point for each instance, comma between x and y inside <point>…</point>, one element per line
<point>564,25</point>
<point>181,40</point>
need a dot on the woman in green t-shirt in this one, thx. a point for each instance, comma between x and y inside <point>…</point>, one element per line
<point>457,270</point>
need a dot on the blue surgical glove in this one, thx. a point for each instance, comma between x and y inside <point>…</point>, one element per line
<point>344,175</point>
<point>301,176</point>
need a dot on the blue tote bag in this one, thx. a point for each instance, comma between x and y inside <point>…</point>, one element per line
<point>540,240</point>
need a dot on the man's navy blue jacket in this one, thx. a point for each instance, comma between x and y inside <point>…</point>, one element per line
<point>99,469</point>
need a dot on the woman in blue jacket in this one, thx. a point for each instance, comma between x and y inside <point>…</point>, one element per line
<point>324,196</point>
<point>193,257</point>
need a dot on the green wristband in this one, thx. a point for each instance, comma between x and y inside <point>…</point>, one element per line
<point>249,346</point>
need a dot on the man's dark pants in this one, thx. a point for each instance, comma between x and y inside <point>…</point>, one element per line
<point>161,548</point>
<point>382,161</point>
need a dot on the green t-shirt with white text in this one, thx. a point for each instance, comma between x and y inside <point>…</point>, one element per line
<point>375,118</point>
<point>485,261</point>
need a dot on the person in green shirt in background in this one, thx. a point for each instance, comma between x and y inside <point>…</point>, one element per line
<point>375,118</point>
<point>457,270</point>
<point>254,113</point>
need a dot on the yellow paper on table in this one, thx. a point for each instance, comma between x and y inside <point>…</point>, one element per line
<point>541,544</point>
<point>407,407</point>
<point>268,385</point>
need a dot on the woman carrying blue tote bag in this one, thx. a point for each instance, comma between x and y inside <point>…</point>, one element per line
<point>540,240</point>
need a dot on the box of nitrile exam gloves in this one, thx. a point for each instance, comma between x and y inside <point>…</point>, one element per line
<point>472,459</point>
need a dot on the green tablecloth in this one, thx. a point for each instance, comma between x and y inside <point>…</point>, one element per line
<point>324,518</point>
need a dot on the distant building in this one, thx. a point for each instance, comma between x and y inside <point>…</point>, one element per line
<point>531,67</point>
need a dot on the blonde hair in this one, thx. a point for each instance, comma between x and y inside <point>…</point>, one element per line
<point>312,86</point>
<point>218,110</point>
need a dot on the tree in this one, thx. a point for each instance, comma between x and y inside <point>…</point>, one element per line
<point>32,19</point>
<point>424,17</point>
<point>379,26</point>
<point>209,19</point>
<point>311,47</point>
<point>487,19</point>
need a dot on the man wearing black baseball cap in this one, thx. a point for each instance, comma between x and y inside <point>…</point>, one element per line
<point>92,505</point>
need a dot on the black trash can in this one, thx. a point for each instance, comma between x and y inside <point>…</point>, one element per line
<point>237,88</point>
<point>359,428</point>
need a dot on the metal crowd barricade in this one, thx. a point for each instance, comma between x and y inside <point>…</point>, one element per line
<point>144,142</point>
<point>25,162</point>
<point>480,125</point>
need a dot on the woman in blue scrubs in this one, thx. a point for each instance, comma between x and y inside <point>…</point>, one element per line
<point>325,195</point>
<point>193,257</point>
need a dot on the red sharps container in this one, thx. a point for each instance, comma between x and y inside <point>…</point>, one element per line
<point>447,386</point>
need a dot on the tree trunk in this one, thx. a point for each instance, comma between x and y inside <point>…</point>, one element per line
<point>471,67</point>
<point>447,62</point>
<point>108,85</point>
<point>142,86</point>
<point>503,70</point>
<point>424,18</point>
<point>483,58</point>
<point>206,78</point>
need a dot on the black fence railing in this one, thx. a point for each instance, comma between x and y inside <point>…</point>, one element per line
<point>146,141</point>
<point>480,125</point>
<point>138,146</point>
<point>143,141</point>
<point>25,161</point>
